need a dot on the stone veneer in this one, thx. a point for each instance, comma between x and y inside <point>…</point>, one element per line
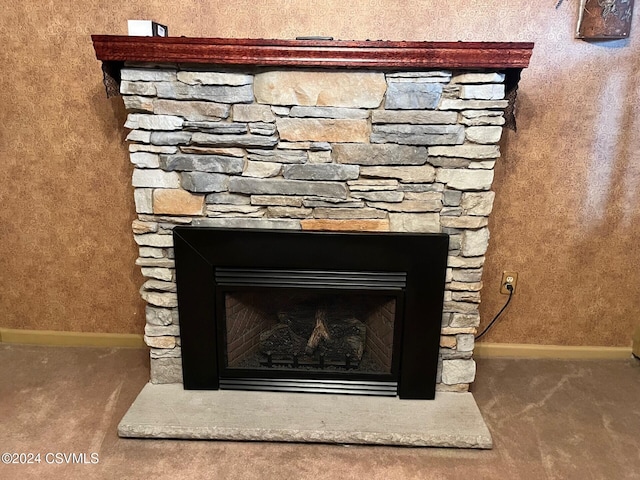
<point>314,150</point>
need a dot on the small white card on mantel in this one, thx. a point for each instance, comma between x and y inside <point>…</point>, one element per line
<point>146,28</point>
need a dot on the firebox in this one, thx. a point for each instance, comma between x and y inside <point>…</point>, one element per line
<point>322,312</point>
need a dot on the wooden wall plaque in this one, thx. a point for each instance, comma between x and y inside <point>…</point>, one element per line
<point>605,19</point>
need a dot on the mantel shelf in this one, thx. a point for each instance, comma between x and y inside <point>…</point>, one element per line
<point>314,53</point>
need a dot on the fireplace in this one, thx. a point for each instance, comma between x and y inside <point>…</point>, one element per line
<point>308,140</point>
<point>310,311</point>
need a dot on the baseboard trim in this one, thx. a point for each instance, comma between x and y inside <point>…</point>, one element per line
<point>71,339</point>
<point>482,349</point>
<point>519,350</point>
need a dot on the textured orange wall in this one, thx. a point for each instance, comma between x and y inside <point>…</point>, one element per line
<point>566,215</point>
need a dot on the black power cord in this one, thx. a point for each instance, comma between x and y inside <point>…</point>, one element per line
<point>509,287</point>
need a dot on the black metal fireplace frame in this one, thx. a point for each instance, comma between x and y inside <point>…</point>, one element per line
<point>317,381</point>
<point>199,251</point>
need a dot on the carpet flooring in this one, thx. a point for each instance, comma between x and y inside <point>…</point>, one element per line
<point>550,419</point>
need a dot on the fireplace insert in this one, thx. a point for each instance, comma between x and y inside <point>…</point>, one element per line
<point>323,312</point>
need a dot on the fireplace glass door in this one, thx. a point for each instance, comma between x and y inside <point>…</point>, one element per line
<point>290,331</point>
<point>309,330</point>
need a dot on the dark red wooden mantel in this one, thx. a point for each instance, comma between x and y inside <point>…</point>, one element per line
<point>315,53</point>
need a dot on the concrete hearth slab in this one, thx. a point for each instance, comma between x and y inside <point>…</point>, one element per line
<point>169,411</point>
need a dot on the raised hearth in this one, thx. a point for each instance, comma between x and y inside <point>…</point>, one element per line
<point>168,411</point>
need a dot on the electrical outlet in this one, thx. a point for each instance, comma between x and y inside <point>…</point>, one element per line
<point>508,278</point>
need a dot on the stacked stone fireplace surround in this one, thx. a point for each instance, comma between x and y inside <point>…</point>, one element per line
<point>344,150</point>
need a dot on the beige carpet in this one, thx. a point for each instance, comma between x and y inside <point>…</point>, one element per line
<point>549,420</point>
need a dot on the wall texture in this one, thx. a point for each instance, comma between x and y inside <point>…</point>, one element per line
<point>565,215</point>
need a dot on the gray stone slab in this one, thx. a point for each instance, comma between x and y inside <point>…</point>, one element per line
<point>139,136</point>
<point>147,75</point>
<point>215,78</point>
<point>191,110</point>
<point>169,411</point>
<point>262,128</point>
<point>244,140</point>
<point>418,134</point>
<point>200,182</point>
<point>321,171</point>
<point>202,163</point>
<point>244,222</point>
<point>135,88</point>
<point>142,121</point>
<point>145,159</point>
<point>166,370</point>
<point>212,93</point>
<point>259,186</point>
<point>381,154</point>
<point>412,95</point>
<point>170,138</point>
<point>277,156</point>
<point>222,128</point>
<point>136,147</point>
